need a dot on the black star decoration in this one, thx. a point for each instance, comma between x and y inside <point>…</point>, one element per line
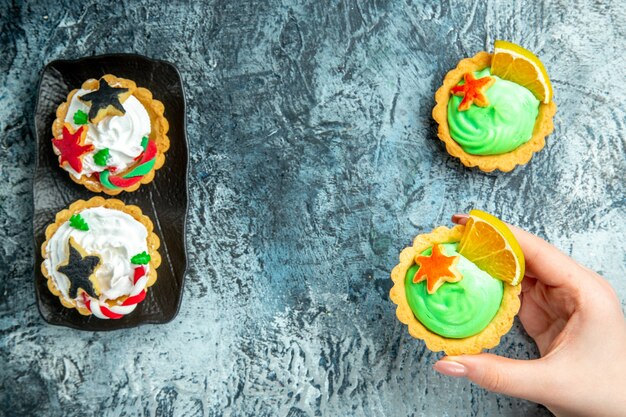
<point>78,269</point>
<point>104,101</point>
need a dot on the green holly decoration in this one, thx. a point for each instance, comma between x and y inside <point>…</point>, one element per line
<point>77,222</point>
<point>101,157</point>
<point>140,259</point>
<point>81,118</point>
<point>144,142</point>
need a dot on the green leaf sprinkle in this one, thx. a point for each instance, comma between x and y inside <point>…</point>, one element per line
<point>144,142</point>
<point>140,259</point>
<point>101,157</point>
<point>80,118</point>
<point>77,222</point>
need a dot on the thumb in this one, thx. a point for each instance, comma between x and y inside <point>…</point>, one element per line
<point>517,378</point>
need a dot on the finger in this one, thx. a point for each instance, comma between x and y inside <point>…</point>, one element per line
<point>528,283</point>
<point>523,379</point>
<point>460,218</point>
<point>543,261</point>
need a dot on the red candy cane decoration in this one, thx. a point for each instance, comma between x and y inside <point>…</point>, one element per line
<point>102,310</point>
<point>146,162</point>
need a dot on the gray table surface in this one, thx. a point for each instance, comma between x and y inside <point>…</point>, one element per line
<point>314,161</point>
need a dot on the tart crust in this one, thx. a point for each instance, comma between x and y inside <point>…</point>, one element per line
<point>489,337</point>
<point>504,162</point>
<point>158,122</point>
<point>112,203</point>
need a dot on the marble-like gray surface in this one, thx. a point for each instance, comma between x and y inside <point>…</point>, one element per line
<point>314,161</point>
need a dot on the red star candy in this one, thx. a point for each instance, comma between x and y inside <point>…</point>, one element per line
<point>437,269</point>
<point>473,91</point>
<point>71,148</point>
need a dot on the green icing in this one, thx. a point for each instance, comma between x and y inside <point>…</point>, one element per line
<point>505,124</point>
<point>460,309</point>
<point>77,222</point>
<point>144,142</point>
<point>142,169</point>
<point>140,259</point>
<point>80,118</point>
<point>104,180</point>
<point>101,157</point>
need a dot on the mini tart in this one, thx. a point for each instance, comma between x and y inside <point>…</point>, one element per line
<point>487,338</point>
<point>504,162</point>
<point>158,133</point>
<point>78,206</point>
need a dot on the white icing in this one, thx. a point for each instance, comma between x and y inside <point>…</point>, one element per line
<point>121,134</point>
<point>113,235</point>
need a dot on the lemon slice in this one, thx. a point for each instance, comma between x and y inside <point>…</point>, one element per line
<point>490,244</point>
<point>514,63</point>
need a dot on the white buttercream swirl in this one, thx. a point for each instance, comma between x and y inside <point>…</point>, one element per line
<point>121,134</point>
<point>113,235</point>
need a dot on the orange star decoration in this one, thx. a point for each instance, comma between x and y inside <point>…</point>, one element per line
<point>473,91</point>
<point>70,147</point>
<point>437,269</point>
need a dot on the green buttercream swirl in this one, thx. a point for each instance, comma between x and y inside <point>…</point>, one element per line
<point>505,124</point>
<point>460,309</point>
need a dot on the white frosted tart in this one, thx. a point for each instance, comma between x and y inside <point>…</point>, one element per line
<point>110,135</point>
<point>121,135</point>
<point>120,238</point>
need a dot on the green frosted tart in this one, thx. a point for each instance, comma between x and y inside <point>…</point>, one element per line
<point>500,125</point>
<point>457,309</point>
<point>446,300</point>
<point>506,123</point>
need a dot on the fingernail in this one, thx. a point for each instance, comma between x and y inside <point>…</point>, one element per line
<point>450,368</point>
<point>459,216</point>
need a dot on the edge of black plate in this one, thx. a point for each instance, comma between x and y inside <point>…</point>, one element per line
<point>184,127</point>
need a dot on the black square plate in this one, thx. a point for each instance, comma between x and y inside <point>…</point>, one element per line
<point>164,200</point>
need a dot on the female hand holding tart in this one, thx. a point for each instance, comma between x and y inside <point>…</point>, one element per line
<point>110,135</point>
<point>495,110</point>
<point>576,320</point>
<point>473,272</point>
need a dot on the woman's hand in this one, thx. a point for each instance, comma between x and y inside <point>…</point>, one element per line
<point>576,320</point>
